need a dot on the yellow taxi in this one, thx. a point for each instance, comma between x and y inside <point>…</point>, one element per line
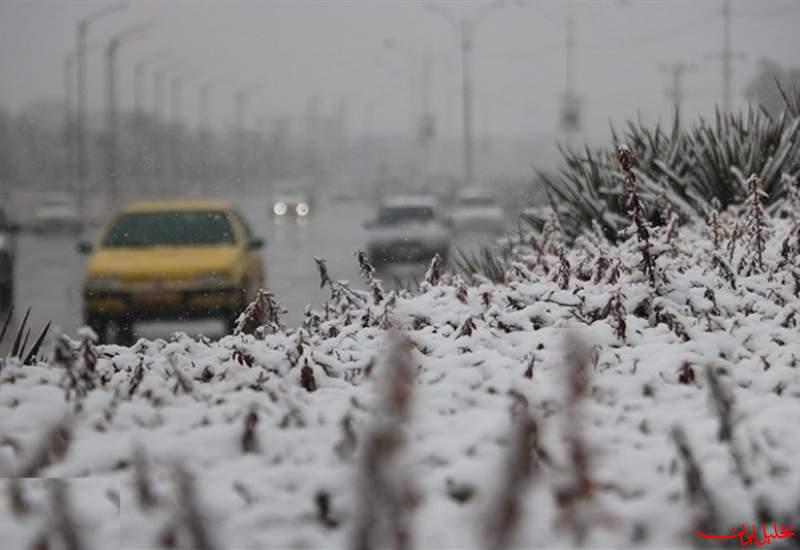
<point>171,260</point>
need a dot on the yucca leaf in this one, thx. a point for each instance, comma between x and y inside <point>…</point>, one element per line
<point>15,351</point>
<point>36,346</point>
<point>6,323</point>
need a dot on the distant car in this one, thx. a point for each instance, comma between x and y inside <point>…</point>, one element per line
<point>407,229</point>
<point>477,210</point>
<point>8,247</point>
<point>57,212</point>
<point>292,199</point>
<point>171,260</point>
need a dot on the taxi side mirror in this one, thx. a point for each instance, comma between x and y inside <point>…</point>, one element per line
<point>256,244</point>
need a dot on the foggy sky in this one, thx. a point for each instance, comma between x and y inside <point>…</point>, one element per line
<point>332,49</point>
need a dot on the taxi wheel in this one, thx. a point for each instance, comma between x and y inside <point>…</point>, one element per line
<point>230,322</point>
<point>125,336</point>
<point>6,296</point>
<point>244,301</point>
<point>100,328</point>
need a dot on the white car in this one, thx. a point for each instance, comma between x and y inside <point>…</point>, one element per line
<point>57,212</point>
<point>476,210</point>
<point>292,199</point>
<point>407,229</point>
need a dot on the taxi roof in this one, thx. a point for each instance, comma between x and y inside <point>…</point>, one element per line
<point>178,204</point>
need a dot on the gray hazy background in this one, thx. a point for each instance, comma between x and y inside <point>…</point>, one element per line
<point>335,49</point>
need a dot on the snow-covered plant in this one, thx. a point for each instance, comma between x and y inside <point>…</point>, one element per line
<point>574,496</point>
<point>260,317</point>
<point>307,437</point>
<point>564,270</point>
<point>18,350</point>
<point>692,163</point>
<point>714,224</point>
<point>386,493</point>
<point>368,272</point>
<point>637,215</point>
<point>435,270</point>
<point>707,518</point>
<point>756,228</point>
<point>505,511</point>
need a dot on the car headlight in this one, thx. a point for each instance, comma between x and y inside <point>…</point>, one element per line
<point>103,282</point>
<point>279,208</point>
<point>302,209</point>
<point>212,280</point>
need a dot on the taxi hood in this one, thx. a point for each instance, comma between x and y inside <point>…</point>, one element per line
<point>161,262</point>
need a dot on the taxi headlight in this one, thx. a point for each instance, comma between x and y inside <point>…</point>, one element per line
<point>302,209</point>
<point>103,282</point>
<point>279,208</point>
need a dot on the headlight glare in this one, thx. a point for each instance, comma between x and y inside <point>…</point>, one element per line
<point>279,208</point>
<point>302,209</point>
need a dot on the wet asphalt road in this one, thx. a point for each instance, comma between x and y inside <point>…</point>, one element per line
<point>49,268</point>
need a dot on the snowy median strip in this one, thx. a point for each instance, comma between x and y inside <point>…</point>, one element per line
<point>606,395</point>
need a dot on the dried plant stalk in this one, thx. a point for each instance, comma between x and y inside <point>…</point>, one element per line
<point>520,468</point>
<point>722,397</point>
<point>145,497</point>
<point>249,435</point>
<point>189,511</point>
<point>571,496</point>
<point>51,448</point>
<point>63,522</point>
<point>636,211</point>
<point>707,518</point>
<point>385,496</point>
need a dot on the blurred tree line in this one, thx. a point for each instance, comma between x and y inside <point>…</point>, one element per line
<point>155,157</point>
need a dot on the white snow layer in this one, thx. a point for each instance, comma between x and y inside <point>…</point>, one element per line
<point>298,482</point>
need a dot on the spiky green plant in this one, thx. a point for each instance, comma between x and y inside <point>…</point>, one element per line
<point>711,159</point>
<point>17,350</point>
<point>487,262</point>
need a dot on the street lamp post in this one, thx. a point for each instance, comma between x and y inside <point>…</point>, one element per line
<point>69,119</point>
<point>112,137</point>
<point>176,144</point>
<point>204,129</point>
<point>139,80</point>
<point>80,115</point>
<point>465,28</point>
<point>205,89</point>
<point>141,123</point>
<point>421,119</point>
<point>241,97</point>
<point>174,125</point>
<point>159,123</point>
